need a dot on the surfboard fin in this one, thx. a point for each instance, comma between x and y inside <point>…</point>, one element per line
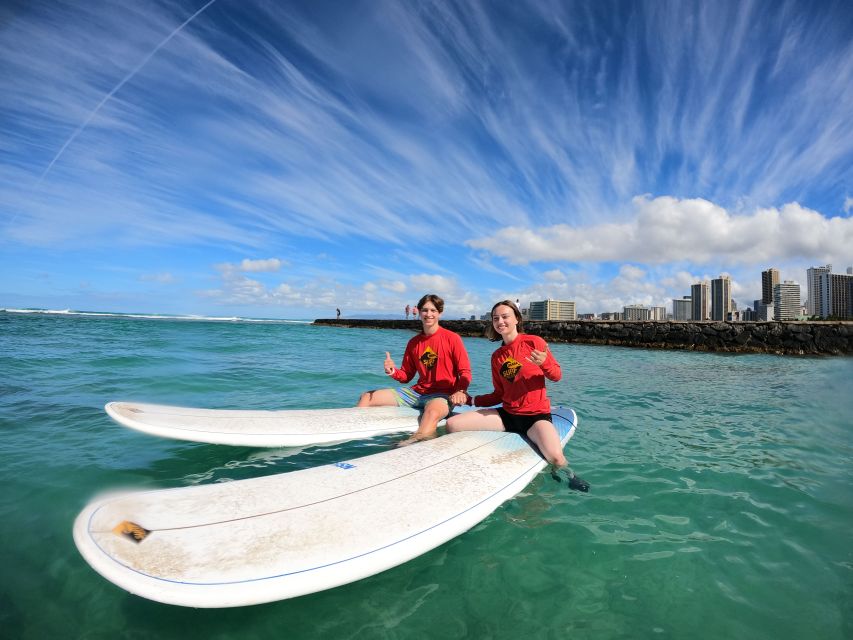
<point>131,530</point>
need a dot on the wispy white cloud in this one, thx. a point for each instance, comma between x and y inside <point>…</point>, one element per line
<point>335,166</point>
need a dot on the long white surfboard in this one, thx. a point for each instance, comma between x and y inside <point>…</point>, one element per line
<point>285,428</point>
<point>265,539</point>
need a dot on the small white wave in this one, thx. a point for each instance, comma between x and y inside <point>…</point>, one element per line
<point>156,316</point>
<point>54,311</point>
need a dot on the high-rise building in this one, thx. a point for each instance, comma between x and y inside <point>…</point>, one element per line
<point>681,309</point>
<point>769,279</point>
<point>636,312</point>
<point>786,301</point>
<point>657,313</point>
<point>721,298</point>
<point>701,307</point>
<point>835,295</point>
<point>850,293</point>
<point>813,289</point>
<point>764,312</point>
<point>611,315</point>
<point>552,310</point>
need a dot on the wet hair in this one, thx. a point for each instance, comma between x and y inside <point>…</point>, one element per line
<point>431,297</point>
<point>493,335</point>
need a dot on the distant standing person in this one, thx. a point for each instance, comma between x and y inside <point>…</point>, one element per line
<point>339,313</point>
<point>408,308</point>
<point>519,369</point>
<point>439,358</point>
<point>415,311</point>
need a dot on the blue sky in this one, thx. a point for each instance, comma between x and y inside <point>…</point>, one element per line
<point>282,159</point>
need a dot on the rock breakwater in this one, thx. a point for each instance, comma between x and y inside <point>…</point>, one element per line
<point>796,338</point>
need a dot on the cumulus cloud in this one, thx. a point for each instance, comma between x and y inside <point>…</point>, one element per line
<point>848,204</point>
<point>396,286</point>
<point>667,229</point>
<point>681,280</point>
<point>315,295</point>
<point>431,283</point>
<point>630,272</point>
<point>255,266</point>
<point>554,275</point>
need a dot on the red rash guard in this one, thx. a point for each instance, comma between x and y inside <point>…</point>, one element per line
<point>440,360</point>
<point>520,384</point>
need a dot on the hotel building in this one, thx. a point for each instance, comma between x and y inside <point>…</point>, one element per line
<point>681,309</point>
<point>701,308</point>
<point>636,312</point>
<point>552,310</point>
<point>721,298</point>
<point>813,304</point>
<point>836,299</point>
<point>769,279</point>
<point>611,315</point>
<point>786,301</point>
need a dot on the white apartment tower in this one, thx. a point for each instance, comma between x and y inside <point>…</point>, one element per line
<point>701,307</point>
<point>636,312</point>
<point>786,301</point>
<point>721,298</point>
<point>835,298</point>
<point>813,290</point>
<point>552,310</point>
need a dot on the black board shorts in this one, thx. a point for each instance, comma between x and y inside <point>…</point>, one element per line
<point>520,424</point>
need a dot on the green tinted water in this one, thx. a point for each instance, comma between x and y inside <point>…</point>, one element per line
<point>721,502</point>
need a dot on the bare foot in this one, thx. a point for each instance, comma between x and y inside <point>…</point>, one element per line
<point>413,439</point>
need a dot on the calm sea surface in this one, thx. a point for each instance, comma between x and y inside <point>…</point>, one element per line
<point>721,502</point>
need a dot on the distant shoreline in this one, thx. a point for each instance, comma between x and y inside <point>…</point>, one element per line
<point>782,338</point>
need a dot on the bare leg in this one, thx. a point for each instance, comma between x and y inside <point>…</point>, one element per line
<point>435,410</point>
<point>479,420</point>
<point>544,435</point>
<point>378,398</point>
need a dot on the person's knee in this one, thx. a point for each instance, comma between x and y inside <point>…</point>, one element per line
<point>366,398</point>
<point>436,410</point>
<point>558,460</point>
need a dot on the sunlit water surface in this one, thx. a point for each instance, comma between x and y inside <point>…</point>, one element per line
<point>721,502</point>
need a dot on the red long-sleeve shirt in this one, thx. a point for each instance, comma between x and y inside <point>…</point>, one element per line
<point>520,384</point>
<point>440,360</point>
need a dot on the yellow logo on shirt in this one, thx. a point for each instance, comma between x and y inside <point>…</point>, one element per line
<point>429,358</point>
<point>510,368</point>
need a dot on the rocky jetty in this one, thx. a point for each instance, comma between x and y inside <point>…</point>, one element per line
<point>797,338</point>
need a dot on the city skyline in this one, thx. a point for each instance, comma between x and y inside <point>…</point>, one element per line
<point>287,159</point>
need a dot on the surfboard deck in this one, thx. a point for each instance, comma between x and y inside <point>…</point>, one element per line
<point>284,428</point>
<point>266,539</point>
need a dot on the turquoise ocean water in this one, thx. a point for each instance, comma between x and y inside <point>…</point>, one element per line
<point>721,502</point>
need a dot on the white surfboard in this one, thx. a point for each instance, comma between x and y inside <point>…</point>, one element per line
<point>285,428</point>
<point>265,539</point>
